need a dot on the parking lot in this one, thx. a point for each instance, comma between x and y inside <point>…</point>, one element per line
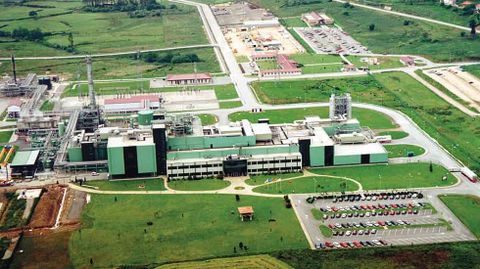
<point>326,40</point>
<point>373,220</point>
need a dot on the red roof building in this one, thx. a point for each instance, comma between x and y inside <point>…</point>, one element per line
<point>287,66</point>
<point>189,79</point>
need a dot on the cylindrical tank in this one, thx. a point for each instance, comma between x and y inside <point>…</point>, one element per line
<point>61,128</point>
<point>145,117</point>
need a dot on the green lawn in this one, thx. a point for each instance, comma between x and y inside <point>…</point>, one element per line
<point>102,31</point>
<point>5,136</point>
<point>128,185</point>
<point>307,185</point>
<point>474,69</point>
<point>312,58</point>
<point>267,65</point>
<point>120,67</point>
<point>390,35</point>
<point>293,22</point>
<point>395,134</point>
<point>208,119</point>
<point>230,104</point>
<point>384,62</point>
<point>260,179</point>
<point>370,118</point>
<point>395,151</point>
<point>183,227</point>
<point>198,185</point>
<point>47,106</point>
<point>393,176</point>
<point>466,208</point>
<point>250,262</point>
<point>327,232</point>
<point>223,92</point>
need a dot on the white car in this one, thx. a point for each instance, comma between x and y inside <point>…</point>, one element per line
<point>94,173</point>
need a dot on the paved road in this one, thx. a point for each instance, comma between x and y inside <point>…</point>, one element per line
<point>109,54</point>
<point>408,15</point>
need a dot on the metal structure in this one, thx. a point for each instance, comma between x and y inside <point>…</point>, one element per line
<point>340,107</point>
<point>182,125</point>
<point>90,116</point>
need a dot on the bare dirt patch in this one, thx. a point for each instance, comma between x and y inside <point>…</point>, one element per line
<point>47,208</point>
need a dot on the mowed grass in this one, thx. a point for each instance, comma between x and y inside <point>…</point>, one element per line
<point>370,118</point>
<point>383,62</point>
<point>115,67</point>
<point>250,262</point>
<point>312,184</point>
<point>5,136</point>
<point>466,208</point>
<point>395,151</point>
<point>223,92</point>
<point>113,32</point>
<point>395,134</point>
<point>473,69</point>
<point>184,227</point>
<point>391,36</point>
<point>393,176</point>
<point>260,179</point>
<point>230,104</point>
<point>198,185</point>
<point>128,185</point>
<point>208,119</point>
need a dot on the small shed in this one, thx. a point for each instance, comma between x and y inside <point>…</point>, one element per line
<point>246,212</point>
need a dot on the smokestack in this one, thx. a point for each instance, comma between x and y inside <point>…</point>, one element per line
<point>14,69</point>
<point>91,92</point>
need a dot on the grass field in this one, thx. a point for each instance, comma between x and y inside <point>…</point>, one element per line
<point>198,185</point>
<point>307,185</point>
<point>393,176</point>
<point>293,22</point>
<point>260,179</point>
<point>223,92</point>
<point>390,36</point>
<point>266,65</point>
<point>128,185</point>
<point>446,255</point>
<point>5,136</point>
<point>183,227</point>
<point>395,151</point>
<point>47,106</point>
<point>37,252</point>
<point>230,104</point>
<point>466,208</point>
<point>116,67</point>
<point>250,262</point>
<point>384,62</point>
<point>474,69</point>
<point>208,119</point>
<point>114,31</point>
<point>12,216</point>
<point>372,119</point>
<point>395,134</point>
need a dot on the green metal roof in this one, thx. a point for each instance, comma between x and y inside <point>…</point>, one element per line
<point>25,158</point>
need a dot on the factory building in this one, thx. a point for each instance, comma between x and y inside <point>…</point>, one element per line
<point>189,79</point>
<point>24,165</point>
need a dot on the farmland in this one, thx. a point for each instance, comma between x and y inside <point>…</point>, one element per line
<point>114,31</point>
<point>181,229</point>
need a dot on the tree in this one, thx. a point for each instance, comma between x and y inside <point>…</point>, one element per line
<point>371,27</point>
<point>430,168</point>
<point>70,40</point>
<point>33,14</point>
<point>473,25</point>
<point>237,197</point>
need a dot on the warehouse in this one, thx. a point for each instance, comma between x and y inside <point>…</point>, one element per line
<point>189,79</point>
<point>24,165</point>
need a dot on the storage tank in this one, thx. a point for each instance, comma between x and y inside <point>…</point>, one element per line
<point>61,128</point>
<point>145,117</point>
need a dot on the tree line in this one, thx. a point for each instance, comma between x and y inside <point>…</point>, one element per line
<point>170,58</point>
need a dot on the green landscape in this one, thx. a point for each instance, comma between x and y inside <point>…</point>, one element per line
<point>395,151</point>
<point>395,134</point>
<point>366,117</point>
<point>309,184</point>
<point>208,119</point>
<point>154,229</point>
<point>466,208</point>
<point>198,185</point>
<point>391,34</point>
<point>127,185</point>
<point>113,31</point>
<point>393,176</point>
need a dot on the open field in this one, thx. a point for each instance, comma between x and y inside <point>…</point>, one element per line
<point>182,228</point>
<point>260,179</point>
<point>230,104</point>
<point>474,69</point>
<point>372,119</point>
<point>198,185</point>
<point>384,62</point>
<point>114,31</point>
<point>447,255</point>
<point>223,92</point>
<point>393,176</point>
<point>128,185</point>
<point>395,134</point>
<point>391,36</point>
<point>395,151</point>
<point>46,251</point>
<point>208,119</point>
<point>5,136</point>
<point>250,262</point>
<point>466,208</point>
<point>115,67</point>
<point>293,22</point>
<point>307,185</point>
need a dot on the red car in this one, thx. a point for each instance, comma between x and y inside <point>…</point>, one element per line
<point>344,245</point>
<point>331,226</point>
<point>329,244</point>
<point>357,244</point>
